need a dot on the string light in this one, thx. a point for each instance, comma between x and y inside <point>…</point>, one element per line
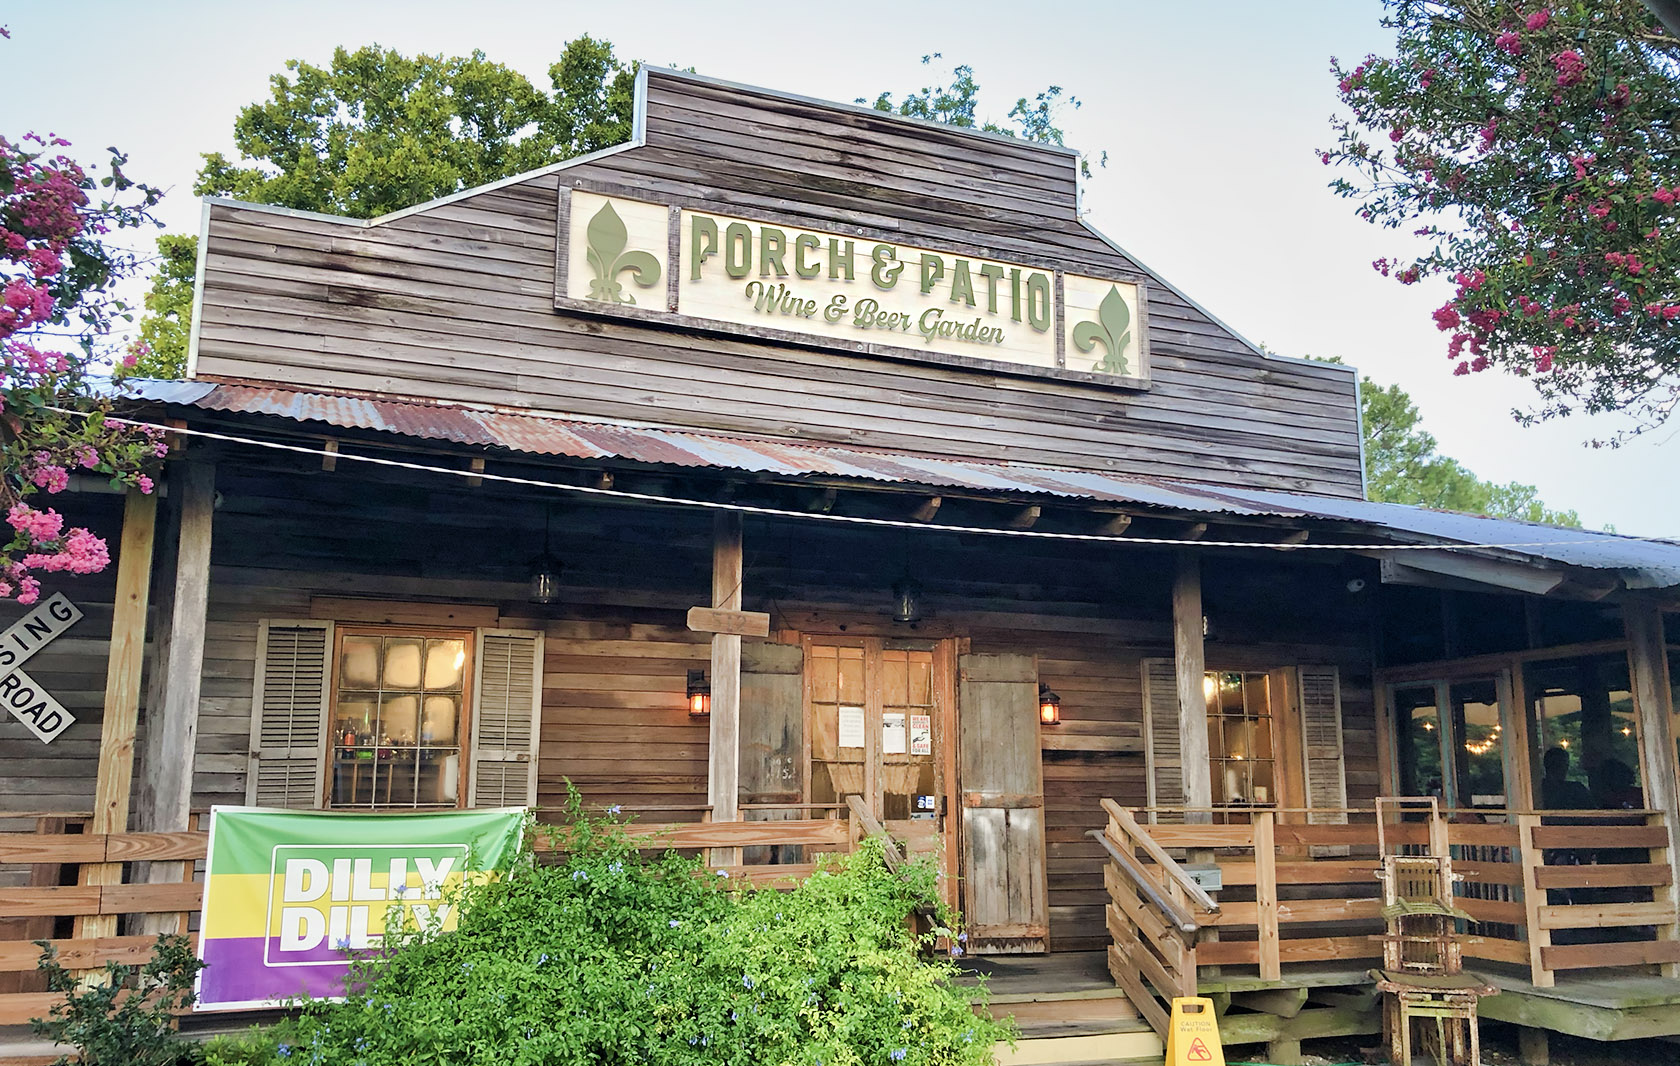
<point>859,520</point>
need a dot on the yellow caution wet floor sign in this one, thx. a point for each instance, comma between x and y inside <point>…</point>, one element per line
<point>1193,1035</point>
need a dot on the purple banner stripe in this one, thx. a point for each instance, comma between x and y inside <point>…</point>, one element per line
<point>236,971</point>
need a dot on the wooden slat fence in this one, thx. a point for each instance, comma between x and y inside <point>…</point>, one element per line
<point>1546,891</point>
<point>41,899</point>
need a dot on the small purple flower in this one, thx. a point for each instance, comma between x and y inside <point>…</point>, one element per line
<point>746,982</point>
<point>673,923</point>
<point>898,1054</point>
<point>615,809</point>
<point>342,943</point>
<point>580,875</point>
<point>284,1051</point>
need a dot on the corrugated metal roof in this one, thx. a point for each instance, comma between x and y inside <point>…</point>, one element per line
<point>1641,563</point>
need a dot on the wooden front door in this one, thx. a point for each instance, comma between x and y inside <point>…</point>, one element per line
<point>1005,895</point>
<point>878,716</point>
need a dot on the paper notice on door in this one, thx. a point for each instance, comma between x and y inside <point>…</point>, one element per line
<point>851,727</point>
<point>892,733</point>
<point>921,734</point>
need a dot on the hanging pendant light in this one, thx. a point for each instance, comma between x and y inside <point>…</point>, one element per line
<point>544,584</point>
<point>907,599</point>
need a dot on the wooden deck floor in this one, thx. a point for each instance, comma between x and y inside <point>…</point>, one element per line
<point>1072,991</point>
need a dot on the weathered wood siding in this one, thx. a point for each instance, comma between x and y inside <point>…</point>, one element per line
<point>455,303</point>
<point>296,543</point>
<point>60,776</point>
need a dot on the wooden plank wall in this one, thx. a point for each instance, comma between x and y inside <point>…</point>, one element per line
<point>59,777</point>
<point>454,303</point>
<point>289,544</point>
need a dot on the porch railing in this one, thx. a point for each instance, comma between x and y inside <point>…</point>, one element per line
<point>50,890</point>
<point>1547,892</point>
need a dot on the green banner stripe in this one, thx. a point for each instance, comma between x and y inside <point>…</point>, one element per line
<point>243,839</point>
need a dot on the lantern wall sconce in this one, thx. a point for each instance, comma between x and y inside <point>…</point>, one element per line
<point>1049,705</point>
<point>907,599</point>
<point>699,695</point>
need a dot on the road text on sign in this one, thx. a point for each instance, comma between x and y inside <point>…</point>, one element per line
<point>30,704</point>
<point>23,696</point>
<point>729,623</point>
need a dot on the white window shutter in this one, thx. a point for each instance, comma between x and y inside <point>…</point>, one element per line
<point>1163,763</point>
<point>289,713</point>
<point>507,719</point>
<point>1321,744</point>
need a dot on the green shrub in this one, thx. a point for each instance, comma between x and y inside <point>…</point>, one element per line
<point>608,957</point>
<point>128,1017</point>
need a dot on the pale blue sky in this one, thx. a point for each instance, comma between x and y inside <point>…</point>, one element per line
<point>1209,112</point>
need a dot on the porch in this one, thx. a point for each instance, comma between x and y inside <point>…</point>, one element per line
<point>1573,917</point>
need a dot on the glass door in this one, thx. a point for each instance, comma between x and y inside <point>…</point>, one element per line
<point>873,711</point>
<point>1450,740</point>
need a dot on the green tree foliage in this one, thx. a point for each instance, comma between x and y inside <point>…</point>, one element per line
<point>1535,147</point>
<point>375,131</point>
<point>1403,465</point>
<point>161,351</point>
<point>958,104</point>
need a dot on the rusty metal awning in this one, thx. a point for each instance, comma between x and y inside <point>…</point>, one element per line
<point>1640,563</point>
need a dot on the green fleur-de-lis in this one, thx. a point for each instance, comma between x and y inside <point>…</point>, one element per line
<point>1112,328</point>
<point>605,252</point>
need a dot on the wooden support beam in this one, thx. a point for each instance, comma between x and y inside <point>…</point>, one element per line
<point>477,467</point>
<point>178,666</point>
<point>1115,525</point>
<point>924,511</point>
<point>1299,536</point>
<point>329,461</point>
<point>1194,531</point>
<point>823,502</point>
<point>724,769</point>
<point>1189,667</point>
<point>122,694</point>
<point>1653,702</point>
<point>1026,517</point>
<point>604,479</point>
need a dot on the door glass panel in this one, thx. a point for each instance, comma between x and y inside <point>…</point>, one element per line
<point>906,737</point>
<point>1478,754</point>
<point>1418,738</point>
<point>837,724</point>
<point>1589,738</point>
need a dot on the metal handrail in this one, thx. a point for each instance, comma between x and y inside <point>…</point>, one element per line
<point>1182,921</point>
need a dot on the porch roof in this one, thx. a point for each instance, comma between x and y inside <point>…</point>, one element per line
<point>1638,563</point>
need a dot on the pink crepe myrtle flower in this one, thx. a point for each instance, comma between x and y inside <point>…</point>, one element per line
<point>1570,66</point>
<point>1539,19</point>
<point>1509,42</point>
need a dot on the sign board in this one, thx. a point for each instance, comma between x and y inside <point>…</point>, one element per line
<point>846,290</point>
<point>27,701</point>
<point>1193,1034</point>
<point>291,897</point>
<point>736,623</point>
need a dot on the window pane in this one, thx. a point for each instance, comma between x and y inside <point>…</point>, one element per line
<point>443,714</point>
<point>921,678</point>
<point>402,662</point>
<point>1419,739</point>
<point>825,676</point>
<point>444,662</point>
<point>895,678</point>
<point>1583,708</point>
<point>851,675</point>
<point>1478,754</point>
<point>359,667</point>
<point>399,719</point>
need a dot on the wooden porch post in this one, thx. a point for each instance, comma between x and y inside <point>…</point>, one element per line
<point>122,695</point>
<point>1653,702</point>
<point>724,769</point>
<point>1190,666</point>
<point>165,794</point>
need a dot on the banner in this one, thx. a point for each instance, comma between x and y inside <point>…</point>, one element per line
<point>291,896</point>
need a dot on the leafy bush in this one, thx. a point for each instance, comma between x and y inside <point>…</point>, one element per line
<point>127,1019</point>
<point>610,957</point>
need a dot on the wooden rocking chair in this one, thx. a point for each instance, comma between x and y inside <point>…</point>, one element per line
<point>1422,975</point>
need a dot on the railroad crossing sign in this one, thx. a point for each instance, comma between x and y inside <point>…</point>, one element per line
<point>22,694</point>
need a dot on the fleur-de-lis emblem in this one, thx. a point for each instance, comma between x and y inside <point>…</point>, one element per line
<point>606,237</point>
<point>1112,328</point>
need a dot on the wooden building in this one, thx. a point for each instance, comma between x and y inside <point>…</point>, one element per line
<point>955,519</point>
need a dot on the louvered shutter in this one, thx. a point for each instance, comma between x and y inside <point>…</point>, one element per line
<point>1164,761</point>
<point>506,720</point>
<point>289,714</point>
<point>1321,744</point>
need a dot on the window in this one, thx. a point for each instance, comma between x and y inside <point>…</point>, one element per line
<point>1240,748</point>
<point>356,717</point>
<point>397,720</point>
<point>1583,707</point>
<point>1450,741</point>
